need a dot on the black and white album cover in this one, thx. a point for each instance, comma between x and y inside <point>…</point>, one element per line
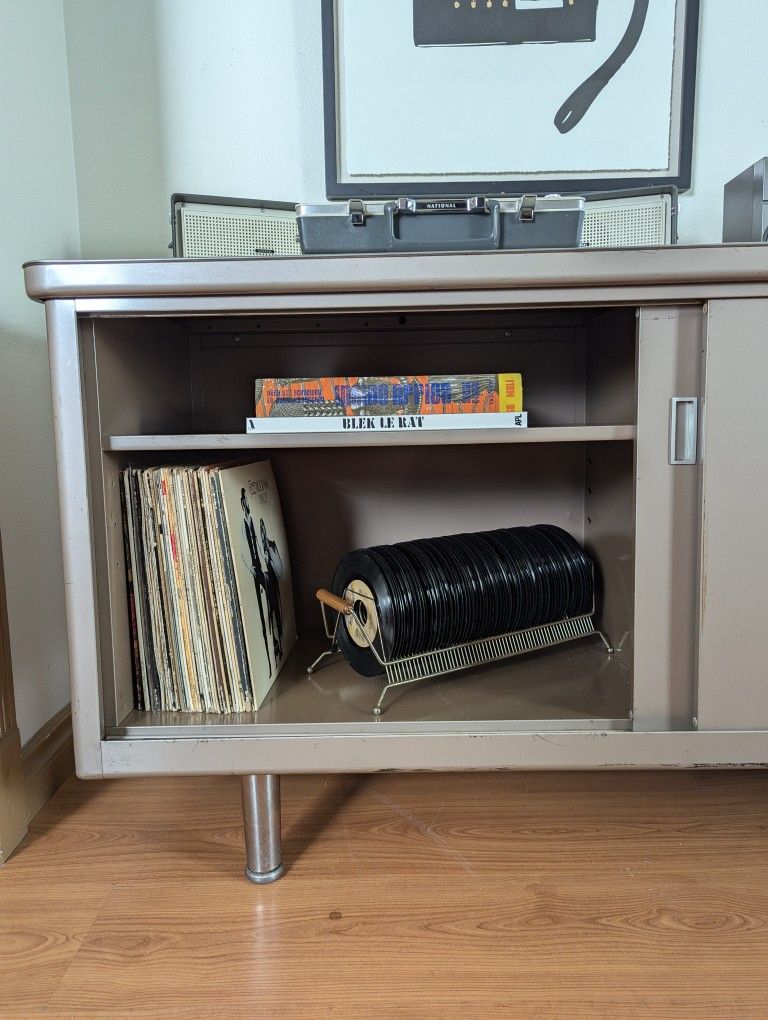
<point>262,569</point>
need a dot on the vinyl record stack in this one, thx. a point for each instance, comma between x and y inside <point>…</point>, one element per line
<point>209,586</point>
<point>436,593</point>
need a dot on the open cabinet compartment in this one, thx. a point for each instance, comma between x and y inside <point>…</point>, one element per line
<point>165,390</point>
<point>182,383</point>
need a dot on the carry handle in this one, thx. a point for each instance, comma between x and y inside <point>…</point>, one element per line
<point>334,601</point>
<point>490,239</point>
<point>432,206</point>
<point>683,430</point>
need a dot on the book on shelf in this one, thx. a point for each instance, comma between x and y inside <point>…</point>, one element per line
<point>353,425</point>
<point>209,585</point>
<point>359,396</point>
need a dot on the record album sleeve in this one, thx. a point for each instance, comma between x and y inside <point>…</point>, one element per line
<point>261,568</point>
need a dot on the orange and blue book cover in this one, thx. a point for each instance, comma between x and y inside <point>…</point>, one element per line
<point>351,396</point>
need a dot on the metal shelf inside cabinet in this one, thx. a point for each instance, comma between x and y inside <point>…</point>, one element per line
<point>294,440</point>
<point>570,687</point>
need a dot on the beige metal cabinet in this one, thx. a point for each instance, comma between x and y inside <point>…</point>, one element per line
<point>643,381</point>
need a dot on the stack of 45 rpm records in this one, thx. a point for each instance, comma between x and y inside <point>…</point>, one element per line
<point>436,593</point>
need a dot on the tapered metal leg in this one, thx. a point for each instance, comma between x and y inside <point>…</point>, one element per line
<point>261,818</point>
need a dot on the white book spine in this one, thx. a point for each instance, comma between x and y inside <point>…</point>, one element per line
<point>388,423</point>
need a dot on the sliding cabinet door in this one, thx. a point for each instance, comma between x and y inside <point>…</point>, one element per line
<point>667,484</point>
<point>733,642</point>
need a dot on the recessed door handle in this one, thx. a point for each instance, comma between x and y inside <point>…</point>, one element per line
<point>683,430</point>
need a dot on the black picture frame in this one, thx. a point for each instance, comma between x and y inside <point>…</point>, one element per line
<point>337,189</point>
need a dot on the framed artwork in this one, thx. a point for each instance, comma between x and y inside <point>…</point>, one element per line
<point>507,96</point>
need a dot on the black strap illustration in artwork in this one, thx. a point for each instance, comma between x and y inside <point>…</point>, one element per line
<point>516,22</point>
<point>580,100</point>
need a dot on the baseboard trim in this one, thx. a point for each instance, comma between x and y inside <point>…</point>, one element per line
<point>13,814</point>
<point>48,759</point>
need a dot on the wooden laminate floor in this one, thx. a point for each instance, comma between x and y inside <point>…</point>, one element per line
<point>573,895</point>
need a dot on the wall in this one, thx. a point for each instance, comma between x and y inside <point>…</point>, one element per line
<point>225,98</point>
<point>116,110</point>
<point>731,116</point>
<point>38,213</point>
<point>188,95</point>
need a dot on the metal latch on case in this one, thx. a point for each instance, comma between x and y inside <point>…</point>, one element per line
<point>356,212</point>
<point>527,208</point>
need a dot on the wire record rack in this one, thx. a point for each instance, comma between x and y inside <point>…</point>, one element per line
<point>439,662</point>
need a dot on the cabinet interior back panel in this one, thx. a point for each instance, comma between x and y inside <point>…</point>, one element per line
<point>553,371</point>
<point>142,375</point>
<point>610,368</point>
<point>338,500</point>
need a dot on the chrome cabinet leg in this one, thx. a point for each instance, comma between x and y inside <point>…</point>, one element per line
<point>261,818</point>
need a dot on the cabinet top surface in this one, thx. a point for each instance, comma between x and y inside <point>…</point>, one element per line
<point>580,268</point>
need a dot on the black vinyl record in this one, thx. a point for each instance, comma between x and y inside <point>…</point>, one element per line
<point>357,571</point>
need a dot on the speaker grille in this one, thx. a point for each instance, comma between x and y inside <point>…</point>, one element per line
<point>627,223</point>
<point>206,233</point>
